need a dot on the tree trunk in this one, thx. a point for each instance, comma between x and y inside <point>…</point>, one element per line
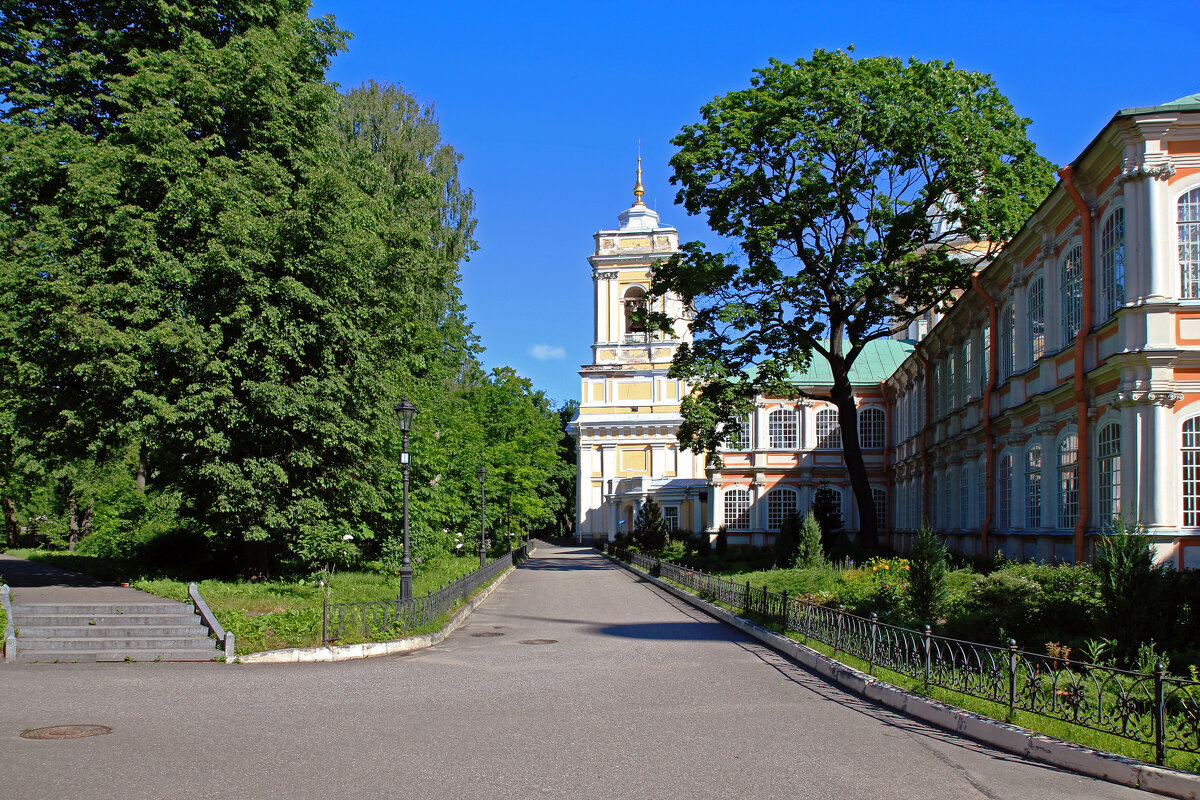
<point>85,524</point>
<point>10,522</point>
<point>73,526</point>
<point>843,397</point>
<point>140,480</point>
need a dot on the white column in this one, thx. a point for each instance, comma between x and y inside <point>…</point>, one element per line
<point>1130,461</point>
<point>718,507</point>
<point>1161,258</point>
<point>1163,484</point>
<point>615,333</point>
<point>1049,476</point>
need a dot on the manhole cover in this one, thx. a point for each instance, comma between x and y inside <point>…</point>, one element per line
<point>538,641</point>
<point>487,633</point>
<point>65,731</point>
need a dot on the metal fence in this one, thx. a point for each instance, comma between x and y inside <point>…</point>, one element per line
<point>1152,708</point>
<point>383,618</point>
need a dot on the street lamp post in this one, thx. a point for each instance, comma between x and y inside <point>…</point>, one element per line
<point>405,411</point>
<point>482,518</point>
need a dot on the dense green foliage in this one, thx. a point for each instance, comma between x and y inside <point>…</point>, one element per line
<point>649,529</point>
<point>217,275</point>
<point>927,576</point>
<point>860,193</point>
<point>1130,588</point>
<point>809,552</point>
<point>787,540</point>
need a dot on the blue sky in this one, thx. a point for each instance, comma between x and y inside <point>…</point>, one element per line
<point>547,102</point>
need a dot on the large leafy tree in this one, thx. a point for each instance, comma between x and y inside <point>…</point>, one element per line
<point>860,194</point>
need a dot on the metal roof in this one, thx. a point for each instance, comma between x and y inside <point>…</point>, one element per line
<point>879,359</point>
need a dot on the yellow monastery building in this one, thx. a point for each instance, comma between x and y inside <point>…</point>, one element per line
<point>1061,390</point>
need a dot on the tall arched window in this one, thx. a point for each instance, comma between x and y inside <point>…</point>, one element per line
<point>950,508</point>
<point>1071,293</point>
<point>737,435</point>
<point>934,502</point>
<point>1004,471</point>
<point>781,429</point>
<point>829,432</point>
<point>1033,487</point>
<point>967,384</point>
<point>964,497</point>
<point>870,428</point>
<point>1190,450</point>
<point>951,383</point>
<point>780,503</point>
<point>1188,218</point>
<point>1037,319</point>
<point>1112,261</point>
<point>981,490</point>
<point>1108,471</point>
<point>1008,351</point>
<point>737,509</point>
<point>1068,481</point>
<point>879,499</point>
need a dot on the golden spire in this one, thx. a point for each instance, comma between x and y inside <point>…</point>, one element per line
<point>638,189</point>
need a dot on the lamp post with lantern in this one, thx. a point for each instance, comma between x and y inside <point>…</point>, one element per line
<point>482,473</point>
<point>405,411</point>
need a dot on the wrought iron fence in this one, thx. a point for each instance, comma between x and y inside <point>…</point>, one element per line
<point>1152,708</point>
<point>383,618</point>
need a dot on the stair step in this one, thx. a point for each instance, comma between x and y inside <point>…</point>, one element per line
<point>104,609</point>
<point>21,619</point>
<point>109,631</point>
<point>94,643</point>
<point>85,656</point>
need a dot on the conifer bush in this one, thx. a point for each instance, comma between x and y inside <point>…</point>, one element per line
<point>927,575</point>
<point>808,546</point>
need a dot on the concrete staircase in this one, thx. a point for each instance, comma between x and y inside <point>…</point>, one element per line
<point>71,632</point>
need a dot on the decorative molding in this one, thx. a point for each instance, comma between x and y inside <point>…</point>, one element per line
<point>1162,172</point>
<point>604,276</point>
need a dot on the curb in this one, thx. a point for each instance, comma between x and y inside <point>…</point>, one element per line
<point>347,652</point>
<point>1009,738</point>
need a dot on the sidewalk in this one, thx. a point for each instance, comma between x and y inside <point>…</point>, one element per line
<point>34,582</point>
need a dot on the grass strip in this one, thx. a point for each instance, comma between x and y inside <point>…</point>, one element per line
<point>1048,726</point>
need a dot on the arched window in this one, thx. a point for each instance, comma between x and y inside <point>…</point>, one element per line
<point>964,497</point>
<point>1112,261</point>
<point>950,508</point>
<point>1008,351</point>
<point>1033,487</point>
<point>635,301</point>
<point>1190,450</point>
<point>879,499</point>
<point>1004,471</point>
<point>1068,481</point>
<point>870,428</point>
<point>966,371</point>
<point>934,501</point>
<point>951,383</point>
<point>1108,471</point>
<point>781,429</point>
<point>829,432</point>
<point>1189,243</point>
<point>737,435</point>
<point>981,490</point>
<point>780,503</point>
<point>1037,320</point>
<point>737,509</point>
<point>1071,293</point>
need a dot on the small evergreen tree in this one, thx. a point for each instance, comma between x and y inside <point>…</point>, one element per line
<point>827,508</point>
<point>786,540</point>
<point>703,544</point>
<point>1130,588</point>
<point>927,575</point>
<point>808,547</point>
<point>722,541</point>
<point>649,529</point>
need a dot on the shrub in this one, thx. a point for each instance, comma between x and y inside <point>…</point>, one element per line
<point>649,529</point>
<point>927,575</point>
<point>703,544</point>
<point>808,547</point>
<point>827,508</point>
<point>722,541</point>
<point>1130,586</point>
<point>787,539</point>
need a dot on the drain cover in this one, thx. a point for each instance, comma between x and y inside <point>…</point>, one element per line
<point>538,641</point>
<point>65,731</point>
<point>487,633</point>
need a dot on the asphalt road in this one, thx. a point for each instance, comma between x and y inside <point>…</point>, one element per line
<point>638,696</point>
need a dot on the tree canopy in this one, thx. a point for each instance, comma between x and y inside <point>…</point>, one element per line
<point>860,193</point>
<point>219,273</point>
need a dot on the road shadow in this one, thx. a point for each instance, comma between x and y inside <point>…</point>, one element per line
<point>666,631</point>
<point>19,573</point>
<point>555,564</point>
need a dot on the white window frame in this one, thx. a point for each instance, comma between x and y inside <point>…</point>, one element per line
<point>671,518</point>
<point>829,430</point>
<point>872,431</point>
<point>778,507</point>
<point>1004,469</point>
<point>1112,260</point>
<point>1067,485</point>
<point>737,509</point>
<point>1070,270</point>
<point>1187,226</point>
<point>1036,300</point>
<point>1108,471</point>
<point>1189,486</point>
<point>782,430</point>
<point>1033,486</point>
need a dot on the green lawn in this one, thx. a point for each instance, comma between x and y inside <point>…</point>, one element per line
<point>267,615</point>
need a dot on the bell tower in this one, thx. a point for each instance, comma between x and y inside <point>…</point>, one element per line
<point>629,407</point>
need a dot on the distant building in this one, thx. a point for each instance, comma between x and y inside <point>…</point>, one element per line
<point>1060,391</point>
